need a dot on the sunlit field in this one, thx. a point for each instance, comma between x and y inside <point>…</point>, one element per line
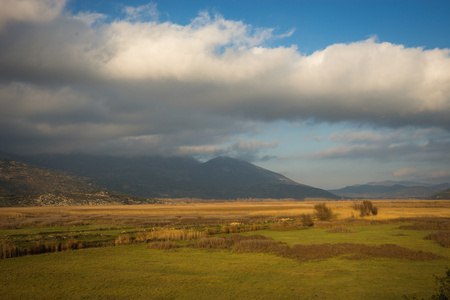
<point>211,213</point>
<point>224,250</point>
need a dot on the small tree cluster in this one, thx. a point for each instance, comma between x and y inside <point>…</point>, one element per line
<point>366,208</point>
<point>323,213</point>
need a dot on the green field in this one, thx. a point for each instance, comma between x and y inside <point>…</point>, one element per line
<point>137,272</point>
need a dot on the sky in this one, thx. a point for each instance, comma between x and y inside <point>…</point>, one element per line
<point>328,93</point>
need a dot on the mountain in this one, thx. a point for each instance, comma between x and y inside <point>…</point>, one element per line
<point>391,190</point>
<point>179,177</point>
<point>445,195</point>
<point>24,185</point>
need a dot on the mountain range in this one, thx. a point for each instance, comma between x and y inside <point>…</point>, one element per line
<point>175,177</point>
<point>119,180</point>
<point>391,190</point>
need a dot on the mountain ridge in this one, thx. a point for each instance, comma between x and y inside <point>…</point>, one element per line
<point>178,177</point>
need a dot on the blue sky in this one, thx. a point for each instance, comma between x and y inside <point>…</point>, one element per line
<point>329,93</point>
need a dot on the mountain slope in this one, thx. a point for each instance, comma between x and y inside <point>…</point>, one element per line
<point>176,177</point>
<point>24,185</point>
<point>17,178</point>
<point>445,195</point>
<point>390,190</point>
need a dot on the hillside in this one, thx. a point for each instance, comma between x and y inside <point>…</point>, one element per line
<point>445,195</point>
<point>24,185</point>
<point>178,177</point>
<point>390,190</point>
<point>17,178</point>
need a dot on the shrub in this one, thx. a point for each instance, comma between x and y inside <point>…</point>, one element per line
<point>443,290</point>
<point>306,220</point>
<point>323,213</point>
<point>367,208</point>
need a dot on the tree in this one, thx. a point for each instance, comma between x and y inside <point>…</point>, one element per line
<point>323,213</point>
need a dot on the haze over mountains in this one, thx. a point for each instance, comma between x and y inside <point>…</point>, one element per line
<point>177,177</point>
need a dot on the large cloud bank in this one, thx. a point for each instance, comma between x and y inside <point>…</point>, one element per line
<point>74,82</point>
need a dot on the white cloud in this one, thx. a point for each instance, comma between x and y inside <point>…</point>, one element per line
<point>194,86</point>
<point>141,13</point>
<point>90,18</point>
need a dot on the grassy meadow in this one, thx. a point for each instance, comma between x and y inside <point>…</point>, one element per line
<point>224,250</point>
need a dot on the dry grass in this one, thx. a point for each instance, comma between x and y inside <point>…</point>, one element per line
<point>170,234</point>
<point>218,213</point>
<point>9,250</point>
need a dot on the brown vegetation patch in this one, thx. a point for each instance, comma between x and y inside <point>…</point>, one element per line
<point>441,237</point>
<point>166,245</point>
<point>427,224</point>
<point>340,230</point>
<point>225,242</point>
<point>261,244</point>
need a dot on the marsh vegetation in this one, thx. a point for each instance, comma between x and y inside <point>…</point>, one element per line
<point>405,236</point>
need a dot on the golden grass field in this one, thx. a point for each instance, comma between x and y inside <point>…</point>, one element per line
<point>216,212</point>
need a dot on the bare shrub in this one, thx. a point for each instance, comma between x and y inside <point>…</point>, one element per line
<point>306,220</point>
<point>441,237</point>
<point>323,213</point>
